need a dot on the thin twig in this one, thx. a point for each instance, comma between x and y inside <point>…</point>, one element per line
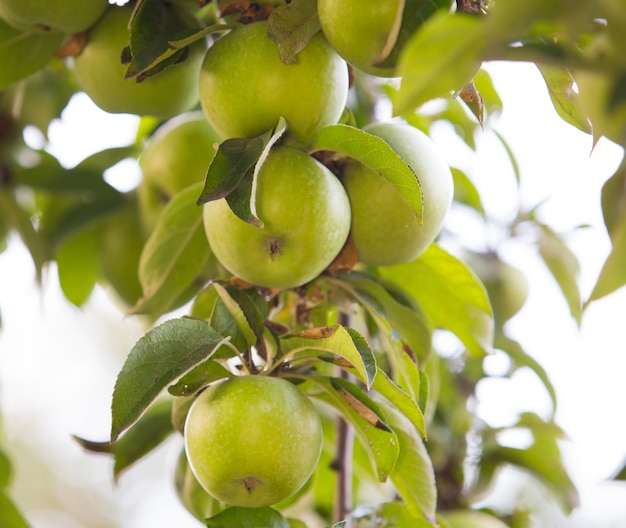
<point>343,457</point>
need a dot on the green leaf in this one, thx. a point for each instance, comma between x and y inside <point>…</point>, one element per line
<point>343,342</point>
<point>385,386</point>
<point>450,295</point>
<point>23,53</point>
<point>233,299</point>
<point>613,273</point>
<point>161,356</point>
<point>408,325</point>
<point>413,474</point>
<point>471,519</point>
<point>174,255</point>
<point>621,474</point>
<point>564,266</point>
<point>376,154</point>
<point>511,156</point>
<point>153,25</point>
<point>6,470</point>
<point>533,459</point>
<point>86,177</point>
<point>521,359</point>
<point>614,199</point>
<point>465,192</point>
<point>440,58</point>
<point>147,433</point>
<point>358,409</point>
<point>560,85</point>
<point>198,377</point>
<point>291,26</point>
<point>234,158</point>
<point>396,515</point>
<point>77,265</point>
<point>19,220</point>
<point>10,517</point>
<point>239,517</point>
<point>234,170</point>
<point>491,98</point>
<point>415,13</point>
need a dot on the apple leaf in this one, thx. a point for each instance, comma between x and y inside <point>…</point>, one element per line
<point>407,324</point>
<point>450,295</point>
<point>564,266</point>
<point>174,254</point>
<point>6,470</point>
<point>521,359</point>
<point>415,13</point>
<point>465,192</point>
<point>10,516</point>
<point>234,158</point>
<point>154,426</point>
<point>613,273</point>
<point>386,387</point>
<point>396,514</point>
<point>291,26</point>
<point>532,459</point>
<point>234,169</point>
<point>380,442</point>
<point>24,52</point>
<point>413,474</point>
<point>344,342</point>
<point>236,312</point>
<point>614,200</point>
<point>439,59</point>
<point>471,519</point>
<point>376,154</point>
<point>161,356</point>
<point>77,265</point>
<point>239,517</point>
<point>154,26</point>
<point>86,177</point>
<point>560,85</point>
<point>20,220</point>
<point>198,377</point>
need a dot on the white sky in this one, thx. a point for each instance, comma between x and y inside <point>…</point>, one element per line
<point>44,401</point>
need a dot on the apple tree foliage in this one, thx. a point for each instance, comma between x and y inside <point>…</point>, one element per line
<point>361,341</point>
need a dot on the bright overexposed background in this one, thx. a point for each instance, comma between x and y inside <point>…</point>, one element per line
<point>58,363</point>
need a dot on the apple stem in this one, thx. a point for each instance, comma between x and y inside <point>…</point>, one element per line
<point>342,463</point>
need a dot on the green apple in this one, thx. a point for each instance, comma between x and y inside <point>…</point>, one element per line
<point>245,88</point>
<point>360,30</point>
<point>253,441</point>
<point>385,230</point>
<point>306,220</point>
<point>176,156</point>
<point>100,73</point>
<point>506,285</point>
<point>190,493</point>
<point>67,16</point>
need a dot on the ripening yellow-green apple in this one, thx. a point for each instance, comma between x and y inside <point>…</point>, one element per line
<point>385,230</point>
<point>67,16</point>
<point>176,156</point>
<point>100,73</point>
<point>306,220</point>
<point>245,88</point>
<point>362,31</point>
<point>253,441</point>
